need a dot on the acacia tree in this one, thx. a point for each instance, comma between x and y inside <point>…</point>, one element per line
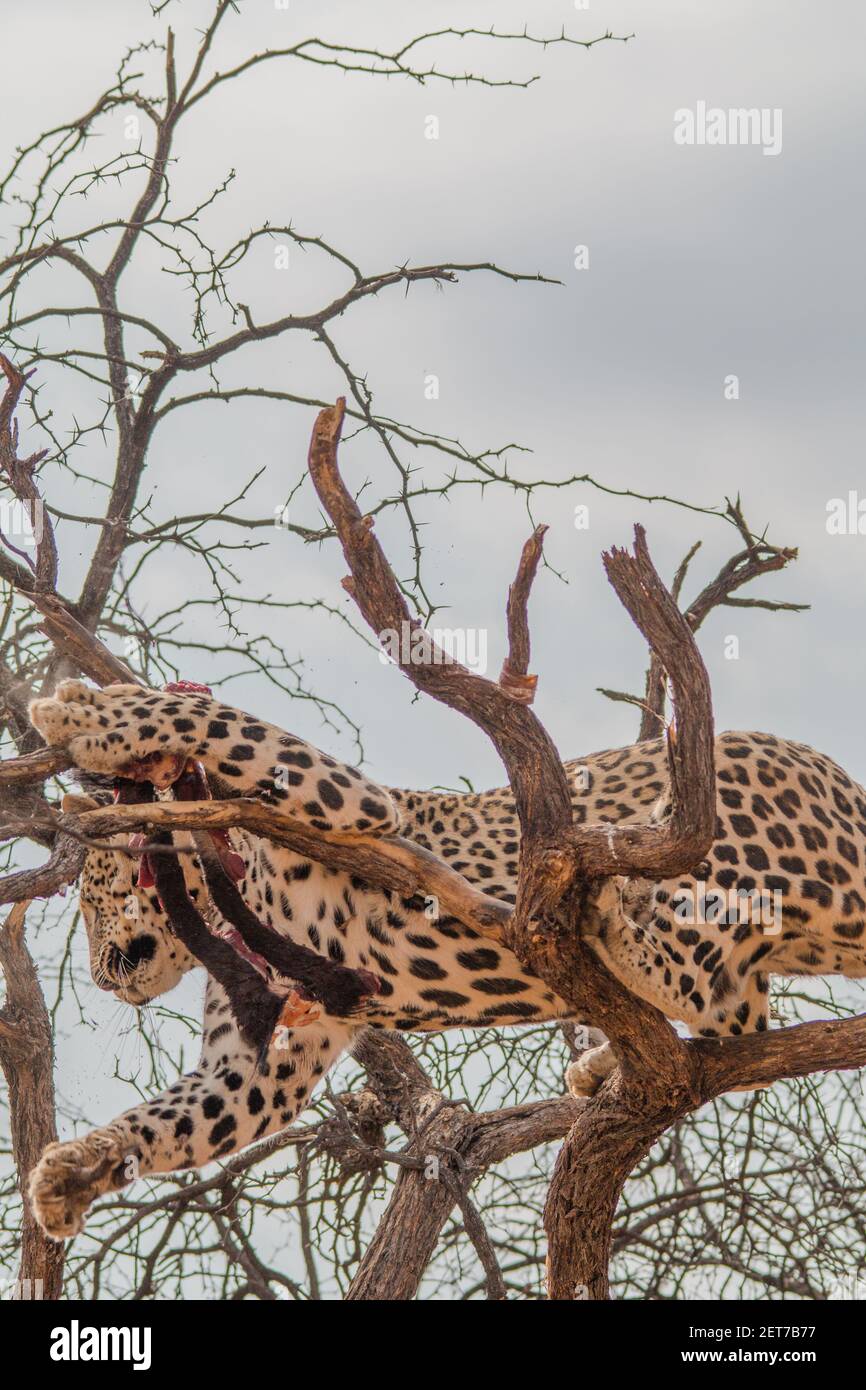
<point>72,333</point>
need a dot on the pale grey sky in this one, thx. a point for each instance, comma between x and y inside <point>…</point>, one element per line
<point>704,261</point>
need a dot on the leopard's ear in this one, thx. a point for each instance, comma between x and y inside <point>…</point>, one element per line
<point>73,802</point>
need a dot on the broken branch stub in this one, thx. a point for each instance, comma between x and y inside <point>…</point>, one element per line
<point>515,679</point>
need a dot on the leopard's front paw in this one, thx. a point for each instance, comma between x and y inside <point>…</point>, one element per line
<point>118,731</point>
<point>69,1177</point>
<point>54,716</point>
<point>592,1067</point>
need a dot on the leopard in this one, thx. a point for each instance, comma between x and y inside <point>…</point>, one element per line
<point>790,824</point>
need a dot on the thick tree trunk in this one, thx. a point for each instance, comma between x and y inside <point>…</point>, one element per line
<point>405,1240</point>
<point>26,1057</point>
<point>450,1148</point>
<point>604,1146</point>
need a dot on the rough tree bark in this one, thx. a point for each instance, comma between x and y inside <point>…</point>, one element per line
<point>27,1061</point>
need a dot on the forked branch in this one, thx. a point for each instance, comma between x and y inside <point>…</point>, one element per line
<point>679,843</point>
<point>552,850</point>
<point>758,558</point>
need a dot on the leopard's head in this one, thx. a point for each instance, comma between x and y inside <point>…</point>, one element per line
<point>133,952</point>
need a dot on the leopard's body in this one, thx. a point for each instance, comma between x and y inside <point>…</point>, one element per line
<point>790,822</point>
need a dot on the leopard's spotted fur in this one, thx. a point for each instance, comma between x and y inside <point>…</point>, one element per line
<point>789,820</point>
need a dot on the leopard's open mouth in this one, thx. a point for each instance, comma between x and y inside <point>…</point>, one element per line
<point>188,782</point>
<point>162,770</point>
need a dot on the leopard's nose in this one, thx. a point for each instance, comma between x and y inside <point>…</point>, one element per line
<point>122,961</point>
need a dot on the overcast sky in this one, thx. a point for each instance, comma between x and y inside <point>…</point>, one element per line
<point>704,262</point>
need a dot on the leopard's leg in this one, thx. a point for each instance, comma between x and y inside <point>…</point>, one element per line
<point>748,1011</point>
<point>745,1012</point>
<point>679,968</point>
<point>226,1103</point>
<point>124,730</point>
